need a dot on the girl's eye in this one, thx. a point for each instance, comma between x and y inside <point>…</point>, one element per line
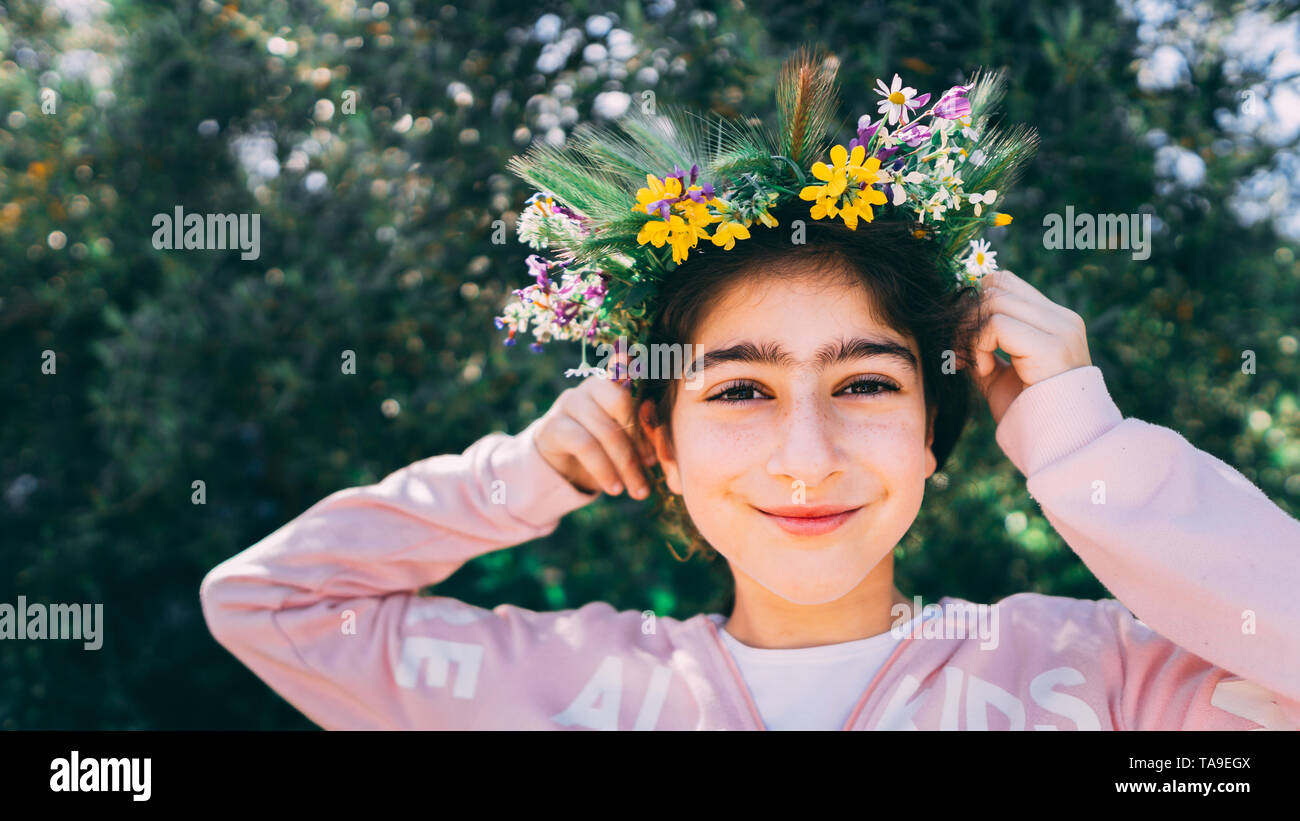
<point>741,392</point>
<point>871,387</point>
<point>734,393</point>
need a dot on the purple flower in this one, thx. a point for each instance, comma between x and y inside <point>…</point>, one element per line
<point>568,212</point>
<point>701,196</point>
<point>535,347</point>
<point>953,105</point>
<point>914,135</point>
<point>866,130</point>
<point>540,268</point>
<point>681,175</point>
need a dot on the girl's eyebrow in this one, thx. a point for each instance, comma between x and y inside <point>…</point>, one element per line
<point>832,353</point>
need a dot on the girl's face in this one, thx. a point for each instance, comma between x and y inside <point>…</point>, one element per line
<point>805,405</point>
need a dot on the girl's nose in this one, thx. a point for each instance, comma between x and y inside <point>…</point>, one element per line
<point>805,449</point>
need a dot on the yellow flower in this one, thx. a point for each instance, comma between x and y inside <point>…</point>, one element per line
<point>656,190</point>
<point>728,232</point>
<point>842,193</point>
<point>679,234</point>
<point>1002,219</point>
<point>697,213</point>
<point>836,177</point>
<point>655,232</point>
<point>861,206</point>
<point>684,237</point>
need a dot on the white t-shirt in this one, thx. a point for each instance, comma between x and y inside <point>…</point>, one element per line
<point>811,688</point>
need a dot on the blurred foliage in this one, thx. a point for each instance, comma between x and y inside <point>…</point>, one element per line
<point>176,366</point>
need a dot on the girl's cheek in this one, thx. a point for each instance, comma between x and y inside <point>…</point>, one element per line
<point>892,445</point>
<point>712,452</point>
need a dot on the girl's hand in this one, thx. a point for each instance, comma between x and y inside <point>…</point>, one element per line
<point>1042,338</point>
<point>586,437</point>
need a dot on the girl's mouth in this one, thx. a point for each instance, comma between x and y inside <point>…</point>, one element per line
<point>808,520</point>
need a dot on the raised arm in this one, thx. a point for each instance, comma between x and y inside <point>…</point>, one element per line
<point>1202,557</point>
<point>325,609</point>
<point>1184,541</point>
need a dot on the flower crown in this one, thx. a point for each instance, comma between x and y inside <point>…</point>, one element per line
<point>610,237</point>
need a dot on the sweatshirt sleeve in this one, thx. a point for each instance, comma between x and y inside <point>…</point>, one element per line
<point>1207,564</point>
<point>326,608</point>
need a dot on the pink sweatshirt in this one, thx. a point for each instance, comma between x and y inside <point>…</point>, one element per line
<point>326,609</point>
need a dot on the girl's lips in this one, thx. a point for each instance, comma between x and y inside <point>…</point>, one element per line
<point>810,525</point>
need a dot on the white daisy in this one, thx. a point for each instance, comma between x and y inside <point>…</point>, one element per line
<point>898,100</point>
<point>981,260</point>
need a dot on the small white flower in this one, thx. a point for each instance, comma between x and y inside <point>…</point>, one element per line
<point>585,370</point>
<point>978,157</point>
<point>945,173</point>
<point>935,206</point>
<point>981,260</point>
<point>897,100</point>
<point>981,200</point>
<point>898,179</point>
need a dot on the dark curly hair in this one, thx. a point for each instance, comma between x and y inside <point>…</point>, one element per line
<point>896,262</point>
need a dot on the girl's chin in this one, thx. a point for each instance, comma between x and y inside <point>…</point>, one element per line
<point>798,583</point>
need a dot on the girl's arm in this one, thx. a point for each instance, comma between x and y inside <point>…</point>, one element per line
<point>325,610</point>
<point>1207,563</point>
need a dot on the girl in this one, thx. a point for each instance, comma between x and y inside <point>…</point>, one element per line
<point>835,378</point>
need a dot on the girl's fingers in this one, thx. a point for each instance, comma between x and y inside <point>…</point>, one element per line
<point>1015,336</point>
<point>617,400</point>
<point>1006,281</point>
<point>614,438</point>
<point>1043,317</point>
<point>590,453</point>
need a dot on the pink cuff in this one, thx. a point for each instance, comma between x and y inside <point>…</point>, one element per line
<point>1055,417</point>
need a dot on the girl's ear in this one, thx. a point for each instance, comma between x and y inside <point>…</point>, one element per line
<point>658,435</point>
